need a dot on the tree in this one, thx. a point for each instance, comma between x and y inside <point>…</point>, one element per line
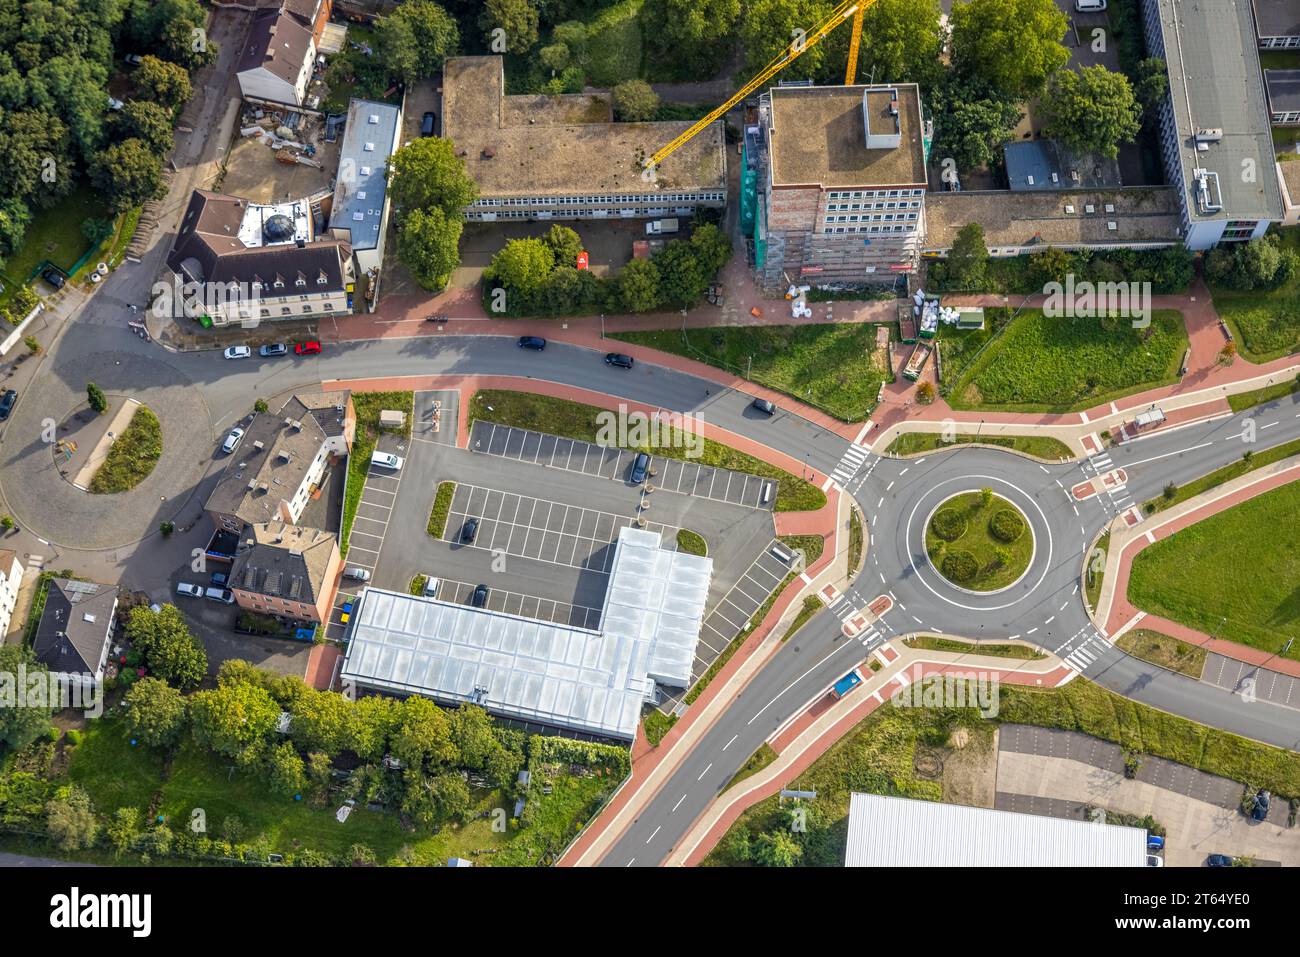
<point>777,849</point>
<point>565,244</point>
<point>638,286</point>
<point>1002,556</point>
<point>374,718</point>
<point>522,266</point>
<point>925,392</point>
<point>986,497</point>
<point>128,174</point>
<point>1151,85</point>
<point>147,122</point>
<point>473,735</point>
<point>123,829</point>
<point>902,40</point>
<point>95,396</point>
<point>428,244</point>
<point>176,28</point>
<point>635,101</point>
<point>767,29</point>
<point>415,39</point>
<point>697,34</point>
<point>233,717</point>
<point>681,279</point>
<point>1092,110</point>
<point>427,173</point>
<point>517,19</point>
<point>164,83</point>
<point>972,131</point>
<point>322,721</point>
<point>968,257</point>
<point>15,217</point>
<point>1262,263</point>
<point>155,712</point>
<point>19,727</point>
<point>70,819</point>
<point>286,773</point>
<point>712,248</point>
<point>170,649</point>
<point>423,733</point>
<point>1015,45</point>
<point>96,229</point>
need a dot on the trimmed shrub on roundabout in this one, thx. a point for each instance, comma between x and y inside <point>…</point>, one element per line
<point>1006,525</point>
<point>949,524</point>
<point>960,566</point>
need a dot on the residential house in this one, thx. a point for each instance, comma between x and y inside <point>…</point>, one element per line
<point>276,63</point>
<point>286,570</point>
<point>75,632</point>
<point>11,579</point>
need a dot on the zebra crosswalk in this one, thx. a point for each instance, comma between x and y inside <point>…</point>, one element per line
<point>852,460</point>
<point>1119,498</point>
<point>1081,650</point>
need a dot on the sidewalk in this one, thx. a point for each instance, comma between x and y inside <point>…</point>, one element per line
<point>1115,614</point>
<point>810,736</point>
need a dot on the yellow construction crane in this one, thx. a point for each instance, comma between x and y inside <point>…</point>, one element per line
<point>851,70</point>
<point>798,46</point>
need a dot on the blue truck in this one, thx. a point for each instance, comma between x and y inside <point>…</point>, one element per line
<point>846,684</point>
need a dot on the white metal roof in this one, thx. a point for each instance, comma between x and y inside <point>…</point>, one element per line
<point>561,675</point>
<point>902,832</point>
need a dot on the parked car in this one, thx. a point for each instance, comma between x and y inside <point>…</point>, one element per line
<point>1218,860</point>
<point>1155,842</point>
<point>188,590</point>
<point>386,460</point>
<point>54,278</point>
<point>532,342</point>
<point>220,579</point>
<point>619,359</point>
<point>764,406</point>
<point>640,468</point>
<point>1155,861</point>
<point>480,596</point>
<point>431,587</point>
<point>310,348</point>
<point>223,595</point>
<point>273,349</point>
<point>7,400</point>
<point>357,574</point>
<point>469,531</point>
<point>1260,811</point>
<point>427,123</point>
<point>1089,6</point>
<point>238,352</point>
<point>232,440</point>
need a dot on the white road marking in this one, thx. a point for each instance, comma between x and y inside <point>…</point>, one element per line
<point>1167,454</point>
<point>705,771</point>
<point>728,744</point>
<point>652,836</point>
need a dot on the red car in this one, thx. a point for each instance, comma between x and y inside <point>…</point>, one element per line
<point>307,348</point>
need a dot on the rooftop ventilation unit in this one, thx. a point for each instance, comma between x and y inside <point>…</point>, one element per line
<point>1206,201</point>
<point>1069,209</point>
<point>1209,136</point>
<point>1110,207</point>
<point>1089,208</point>
<point>1112,225</point>
<point>259,445</point>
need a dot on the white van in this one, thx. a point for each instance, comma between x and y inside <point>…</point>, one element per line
<point>386,460</point>
<point>1089,6</point>
<point>223,595</point>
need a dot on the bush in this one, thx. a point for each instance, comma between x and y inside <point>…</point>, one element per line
<point>96,398</point>
<point>1006,525</point>
<point>949,524</point>
<point>960,566</point>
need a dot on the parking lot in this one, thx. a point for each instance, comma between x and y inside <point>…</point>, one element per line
<point>734,611</point>
<point>528,606</point>
<point>535,528</point>
<point>672,475</point>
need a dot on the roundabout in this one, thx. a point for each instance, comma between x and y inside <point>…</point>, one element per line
<point>979,541</point>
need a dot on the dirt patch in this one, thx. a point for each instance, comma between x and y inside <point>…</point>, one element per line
<point>970,767</point>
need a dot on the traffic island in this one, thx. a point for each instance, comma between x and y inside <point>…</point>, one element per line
<point>87,445</point>
<point>979,541</point>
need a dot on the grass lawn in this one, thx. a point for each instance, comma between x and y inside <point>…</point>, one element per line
<point>1266,323</point>
<point>757,761</point>
<point>1226,474</point>
<point>441,507</point>
<point>614,44</point>
<point>1041,447</point>
<point>1039,364</point>
<point>111,771</point>
<point>132,455</point>
<point>692,543</point>
<point>811,605</point>
<point>1235,575</point>
<point>368,406</point>
<point>1271,393</point>
<point>657,724</point>
<point>933,643</point>
<point>974,522</point>
<point>1095,573</point>
<point>1164,651</point>
<point>575,420</point>
<point>828,365</point>
<point>879,756</point>
<point>55,234</point>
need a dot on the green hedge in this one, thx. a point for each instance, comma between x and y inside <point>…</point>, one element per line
<point>960,566</point>
<point>949,524</point>
<point>1006,525</point>
<point>441,508</point>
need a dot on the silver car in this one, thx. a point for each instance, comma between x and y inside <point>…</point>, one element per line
<point>232,440</point>
<point>357,574</point>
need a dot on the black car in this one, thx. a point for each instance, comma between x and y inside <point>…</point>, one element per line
<point>762,405</point>
<point>1260,811</point>
<point>7,400</point>
<point>1218,860</point>
<point>469,530</point>
<point>640,467</point>
<point>220,579</point>
<point>54,278</point>
<point>532,342</point>
<point>619,359</point>
<point>426,124</point>
<point>479,598</point>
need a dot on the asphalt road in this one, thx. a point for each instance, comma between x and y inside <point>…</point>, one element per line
<point>895,495</point>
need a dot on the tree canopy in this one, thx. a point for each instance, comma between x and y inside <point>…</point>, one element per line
<point>1092,110</point>
<point>1013,45</point>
